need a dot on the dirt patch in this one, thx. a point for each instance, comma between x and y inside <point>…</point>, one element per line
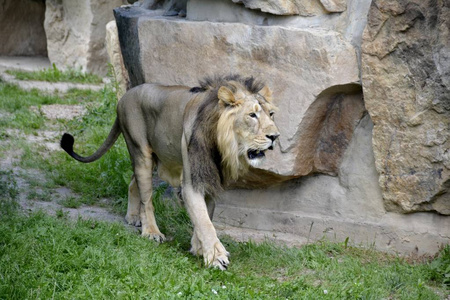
<point>84,212</point>
<point>32,198</point>
<point>60,111</point>
<point>47,139</point>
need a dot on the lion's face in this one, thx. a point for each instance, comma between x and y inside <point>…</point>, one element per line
<point>255,129</point>
<point>246,127</point>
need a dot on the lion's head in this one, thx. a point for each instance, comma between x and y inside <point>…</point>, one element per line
<point>232,130</point>
<point>246,129</point>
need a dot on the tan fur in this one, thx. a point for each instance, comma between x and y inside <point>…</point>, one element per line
<point>227,143</point>
<point>196,138</point>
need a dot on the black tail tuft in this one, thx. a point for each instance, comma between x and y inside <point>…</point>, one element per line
<point>66,143</point>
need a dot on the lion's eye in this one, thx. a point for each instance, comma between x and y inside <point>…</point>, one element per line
<point>271,114</point>
<point>253,115</point>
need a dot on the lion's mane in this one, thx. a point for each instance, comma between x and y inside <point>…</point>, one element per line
<point>214,155</point>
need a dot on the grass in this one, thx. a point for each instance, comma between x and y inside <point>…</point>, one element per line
<point>46,257</point>
<point>16,105</point>
<point>71,202</point>
<point>53,74</point>
<point>53,257</point>
<point>107,178</point>
<point>40,196</point>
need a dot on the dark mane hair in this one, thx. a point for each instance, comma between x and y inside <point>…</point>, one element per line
<point>215,82</point>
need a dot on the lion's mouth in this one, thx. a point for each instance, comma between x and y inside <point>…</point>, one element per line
<point>253,154</point>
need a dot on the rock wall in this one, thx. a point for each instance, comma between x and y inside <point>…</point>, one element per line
<point>116,59</point>
<point>347,206</point>
<point>406,80</point>
<point>321,179</point>
<point>22,28</point>
<point>76,33</point>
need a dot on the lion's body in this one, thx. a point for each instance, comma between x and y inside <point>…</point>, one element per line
<point>196,138</point>
<point>161,109</point>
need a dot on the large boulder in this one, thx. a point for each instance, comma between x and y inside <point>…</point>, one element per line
<point>406,80</point>
<point>76,33</point>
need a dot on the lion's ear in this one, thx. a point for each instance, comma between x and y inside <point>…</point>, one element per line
<point>226,96</point>
<point>266,93</point>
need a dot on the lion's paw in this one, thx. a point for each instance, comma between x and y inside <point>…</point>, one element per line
<point>134,220</point>
<point>157,237</point>
<point>217,257</point>
<point>220,263</point>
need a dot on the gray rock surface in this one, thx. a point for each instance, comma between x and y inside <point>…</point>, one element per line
<point>116,59</point>
<point>304,8</point>
<point>24,63</point>
<point>336,208</point>
<point>350,23</point>
<point>334,5</point>
<point>286,7</point>
<point>406,80</point>
<point>76,33</point>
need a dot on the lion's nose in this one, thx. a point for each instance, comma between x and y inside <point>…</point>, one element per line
<point>273,137</point>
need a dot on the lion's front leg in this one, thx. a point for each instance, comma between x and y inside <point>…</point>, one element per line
<point>196,247</point>
<point>204,241</point>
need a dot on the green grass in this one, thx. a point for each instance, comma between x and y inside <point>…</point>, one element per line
<point>46,257</point>
<point>71,202</point>
<point>40,196</point>
<point>16,105</point>
<point>55,75</point>
<point>8,187</point>
<point>107,178</point>
<point>53,257</point>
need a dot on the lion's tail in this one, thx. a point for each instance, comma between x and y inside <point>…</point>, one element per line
<point>67,141</point>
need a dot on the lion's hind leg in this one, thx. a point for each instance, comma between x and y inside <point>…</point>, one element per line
<point>134,204</point>
<point>143,167</point>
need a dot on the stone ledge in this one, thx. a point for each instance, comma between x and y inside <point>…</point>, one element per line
<point>241,234</point>
<point>414,234</point>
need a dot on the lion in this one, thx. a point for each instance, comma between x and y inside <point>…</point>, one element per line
<point>198,139</point>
